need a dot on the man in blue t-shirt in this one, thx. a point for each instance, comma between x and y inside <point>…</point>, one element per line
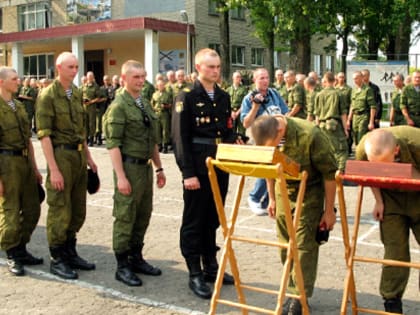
<point>261,101</point>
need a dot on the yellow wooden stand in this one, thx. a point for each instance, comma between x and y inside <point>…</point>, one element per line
<point>350,248</point>
<point>263,162</point>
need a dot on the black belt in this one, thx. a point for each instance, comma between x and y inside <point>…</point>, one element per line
<point>23,152</point>
<point>72,147</point>
<point>209,141</point>
<point>325,120</point>
<point>133,160</point>
<point>360,113</point>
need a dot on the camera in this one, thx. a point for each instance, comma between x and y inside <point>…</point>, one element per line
<point>322,235</point>
<point>258,98</point>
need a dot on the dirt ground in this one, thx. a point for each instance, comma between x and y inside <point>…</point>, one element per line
<point>97,292</point>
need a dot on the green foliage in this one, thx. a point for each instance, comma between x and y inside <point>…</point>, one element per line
<point>375,24</point>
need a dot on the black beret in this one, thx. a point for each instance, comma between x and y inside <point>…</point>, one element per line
<point>93,182</point>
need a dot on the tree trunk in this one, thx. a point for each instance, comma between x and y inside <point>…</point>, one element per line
<point>224,42</point>
<point>303,55</point>
<point>345,50</point>
<point>390,48</point>
<point>373,47</point>
<point>270,55</point>
<point>402,39</point>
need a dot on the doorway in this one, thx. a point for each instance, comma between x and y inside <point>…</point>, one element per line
<point>94,61</point>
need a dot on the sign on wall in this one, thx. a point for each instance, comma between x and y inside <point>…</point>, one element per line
<point>381,73</point>
<point>171,60</point>
<point>82,11</point>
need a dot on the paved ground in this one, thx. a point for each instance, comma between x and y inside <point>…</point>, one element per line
<point>97,292</point>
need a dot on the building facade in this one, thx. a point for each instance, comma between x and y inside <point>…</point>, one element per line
<point>162,34</point>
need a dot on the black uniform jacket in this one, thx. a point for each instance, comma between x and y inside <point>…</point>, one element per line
<point>198,124</point>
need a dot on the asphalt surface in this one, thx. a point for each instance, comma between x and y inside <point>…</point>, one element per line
<point>97,292</point>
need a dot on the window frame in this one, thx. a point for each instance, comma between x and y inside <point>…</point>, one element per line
<point>237,13</point>
<point>212,8</point>
<point>48,72</point>
<point>317,63</point>
<point>234,55</point>
<point>215,46</point>
<point>33,16</point>
<point>329,63</point>
<point>255,51</point>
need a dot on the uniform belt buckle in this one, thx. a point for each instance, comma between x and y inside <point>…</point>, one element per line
<point>80,147</point>
<point>218,140</point>
<point>25,152</point>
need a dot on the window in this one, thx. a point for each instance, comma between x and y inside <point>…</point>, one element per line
<point>213,7</point>
<point>238,13</point>
<point>318,63</point>
<point>39,66</point>
<point>329,63</point>
<point>257,56</point>
<point>216,47</point>
<point>238,55</point>
<point>34,16</point>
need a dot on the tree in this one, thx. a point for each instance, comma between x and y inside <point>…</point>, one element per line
<point>224,29</point>
<point>290,22</point>
<point>397,41</point>
<point>386,25</point>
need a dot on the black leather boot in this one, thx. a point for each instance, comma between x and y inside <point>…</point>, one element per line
<point>124,273</point>
<point>75,261</point>
<point>91,141</point>
<point>27,258</point>
<point>165,148</point>
<point>210,267</point>
<point>139,265</point>
<point>14,262</point>
<point>59,264</point>
<point>99,139</point>
<point>393,306</point>
<point>196,282</point>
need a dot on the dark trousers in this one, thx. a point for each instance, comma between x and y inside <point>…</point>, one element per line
<point>200,220</point>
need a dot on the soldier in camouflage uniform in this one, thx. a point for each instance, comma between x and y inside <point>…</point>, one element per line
<point>19,204</point>
<point>345,93</point>
<point>180,83</point>
<point>396,118</point>
<point>396,210</point>
<point>237,93</point>
<point>307,145</point>
<point>131,127</point>
<point>280,85</point>
<point>91,96</point>
<point>148,90</point>
<point>362,109</point>
<point>310,84</point>
<point>331,117</point>
<point>106,97</point>
<point>60,120</point>
<point>27,95</point>
<point>296,99</point>
<point>162,105</point>
<point>410,101</point>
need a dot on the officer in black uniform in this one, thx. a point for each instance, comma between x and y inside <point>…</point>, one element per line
<point>201,119</point>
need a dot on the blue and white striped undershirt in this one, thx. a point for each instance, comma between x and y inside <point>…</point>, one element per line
<point>12,104</point>
<point>69,93</point>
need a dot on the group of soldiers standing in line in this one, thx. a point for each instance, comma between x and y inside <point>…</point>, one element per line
<point>198,116</point>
